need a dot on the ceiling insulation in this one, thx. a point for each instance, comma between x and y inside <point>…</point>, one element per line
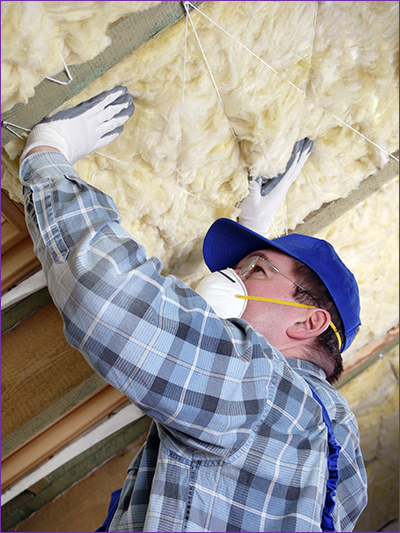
<point>373,396</point>
<point>184,157</point>
<point>77,30</point>
<point>366,238</point>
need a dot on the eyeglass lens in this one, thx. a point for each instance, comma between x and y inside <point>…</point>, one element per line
<point>252,262</point>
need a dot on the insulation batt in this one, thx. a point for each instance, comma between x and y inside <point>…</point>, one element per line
<point>170,183</point>
<point>34,34</point>
<point>373,396</point>
<point>367,239</point>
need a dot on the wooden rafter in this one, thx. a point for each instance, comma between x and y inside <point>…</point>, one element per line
<point>17,256</point>
<point>329,212</point>
<point>40,447</point>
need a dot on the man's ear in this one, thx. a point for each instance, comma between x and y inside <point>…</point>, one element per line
<point>315,323</point>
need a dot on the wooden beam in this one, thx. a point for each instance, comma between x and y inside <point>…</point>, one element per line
<point>126,36</point>
<point>52,413</point>
<point>18,259</point>
<point>39,367</point>
<point>329,212</point>
<point>12,315</point>
<point>25,504</point>
<point>17,263</point>
<point>367,355</point>
<point>13,226</point>
<point>61,432</point>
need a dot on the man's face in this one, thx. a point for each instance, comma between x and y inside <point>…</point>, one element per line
<point>270,319</point>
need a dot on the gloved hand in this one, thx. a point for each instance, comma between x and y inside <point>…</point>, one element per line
<point>259,207</point>
<point>89,126</point>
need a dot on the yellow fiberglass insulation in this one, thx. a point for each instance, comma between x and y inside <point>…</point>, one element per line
<point>34,34</point>
<point>367,240</point>
<point>373,396</point>
<point>173,174</point>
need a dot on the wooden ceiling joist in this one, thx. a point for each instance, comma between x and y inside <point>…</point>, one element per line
<point>367,355</point>
<point>329,212</point>
<point>61,432</point>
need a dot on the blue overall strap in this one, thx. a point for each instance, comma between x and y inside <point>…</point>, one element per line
<point>111,510</point>
<point>334,449</point>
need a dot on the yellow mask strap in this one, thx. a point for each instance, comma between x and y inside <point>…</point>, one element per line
<point>292,304</point>
<point>332,325</point>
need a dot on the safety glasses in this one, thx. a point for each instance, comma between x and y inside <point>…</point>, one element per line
<point>252,263</point>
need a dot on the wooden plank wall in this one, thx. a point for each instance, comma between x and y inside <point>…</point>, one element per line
<point>75,497</point>
<point>39,367</point>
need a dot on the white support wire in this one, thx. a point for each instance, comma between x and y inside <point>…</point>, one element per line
<point>302,112</point>
<point>68,73</point>
<point>209,71</point>
<point>182,102</point>
<point>181,120</point>
<point>184,190</point>
<point>244,46</point>
<point>285,215</point>
<point>359,133</point>
<point>108,157</point>
<point>182,105</point>
<point>290,83</point>
<point>273,227</point>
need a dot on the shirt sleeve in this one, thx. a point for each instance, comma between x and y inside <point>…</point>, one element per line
<point>150,336</point>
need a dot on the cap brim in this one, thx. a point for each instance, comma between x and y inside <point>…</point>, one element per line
<point>227,242</point>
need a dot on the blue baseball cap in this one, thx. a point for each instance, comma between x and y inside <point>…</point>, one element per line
<point>228,242</point>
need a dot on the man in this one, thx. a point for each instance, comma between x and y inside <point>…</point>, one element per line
<point>247,429</point>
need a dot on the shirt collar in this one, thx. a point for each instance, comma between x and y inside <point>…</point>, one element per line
<point>305,368</point>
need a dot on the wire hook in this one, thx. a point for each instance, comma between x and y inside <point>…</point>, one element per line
<point>7,125</point>
<point>70,78</point>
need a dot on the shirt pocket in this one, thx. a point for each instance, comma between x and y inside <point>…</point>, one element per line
<point>40,214</point>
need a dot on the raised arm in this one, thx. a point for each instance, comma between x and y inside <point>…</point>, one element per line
<point>148,335</point>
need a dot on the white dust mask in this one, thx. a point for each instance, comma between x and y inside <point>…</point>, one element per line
<point>220,290</point>
<point>226,293</point>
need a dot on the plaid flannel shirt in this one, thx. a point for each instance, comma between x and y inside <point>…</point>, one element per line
<point>238,442</point>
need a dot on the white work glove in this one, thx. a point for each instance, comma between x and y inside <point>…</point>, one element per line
<point>259,207</point>
<point>87,127</point>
